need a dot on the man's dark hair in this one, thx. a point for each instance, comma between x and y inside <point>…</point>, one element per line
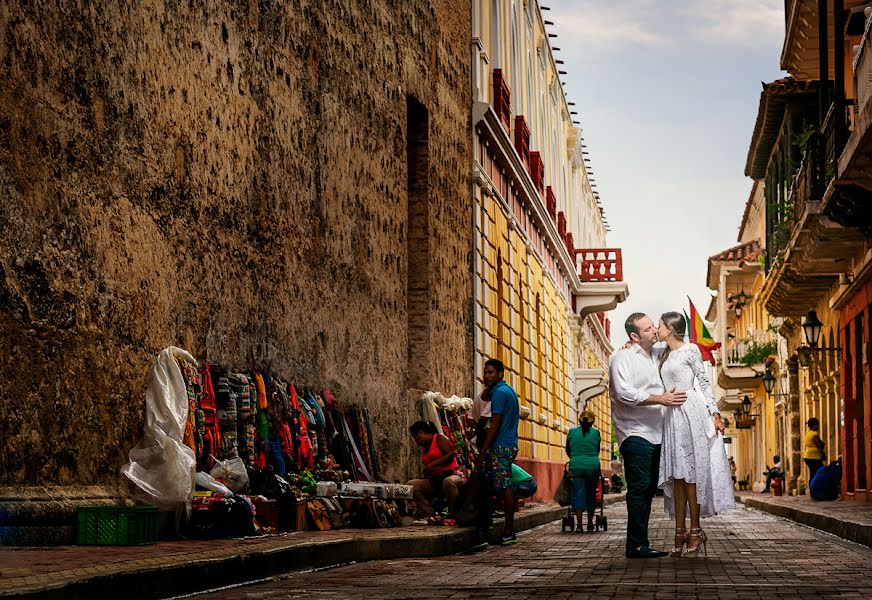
<point>630,323</point>
<point>496,363</point>
<point>813,422</point>
<point>425,426</point>
<point>776,458</point>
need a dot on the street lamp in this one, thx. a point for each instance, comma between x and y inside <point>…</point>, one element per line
<point>746,406</point>
<point>768,381</point>
<point>812,328</point>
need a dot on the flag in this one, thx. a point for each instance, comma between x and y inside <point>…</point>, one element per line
<point>699,334</point>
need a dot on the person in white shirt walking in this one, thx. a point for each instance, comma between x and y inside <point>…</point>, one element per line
<point>637,397</point>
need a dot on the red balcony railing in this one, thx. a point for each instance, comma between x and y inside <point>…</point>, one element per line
<point>502,99</point>
<point>599,264</point>
<point>570,244</point>
<point>551,203</point>
<point>561,225</point>
<point>537,173</point>
<point>522,140</point>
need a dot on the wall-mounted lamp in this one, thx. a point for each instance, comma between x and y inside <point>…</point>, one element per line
<point>811,329</point>
<point>769,384</point>
<point>739,301</point>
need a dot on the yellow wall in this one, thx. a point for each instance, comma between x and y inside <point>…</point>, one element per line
<point>514,291</point>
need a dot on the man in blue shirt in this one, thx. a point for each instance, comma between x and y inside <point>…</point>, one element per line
<point>500,446</point>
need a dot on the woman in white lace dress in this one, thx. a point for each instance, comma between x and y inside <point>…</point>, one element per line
<point>694,470</point>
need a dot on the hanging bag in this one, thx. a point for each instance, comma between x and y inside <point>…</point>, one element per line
<point>561,496</point>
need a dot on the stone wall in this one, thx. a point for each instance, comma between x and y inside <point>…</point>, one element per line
<point>228,177</point>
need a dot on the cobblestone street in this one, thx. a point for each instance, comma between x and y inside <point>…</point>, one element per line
<point>751,555</point>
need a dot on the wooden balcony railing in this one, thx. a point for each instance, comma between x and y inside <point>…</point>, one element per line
<point>551,202</point>
<point>561,225</point>
<point>537,172</point>
<point>808,184</point>
<point>522,140</point>
<point>599,264</point>
<point>502,99</point>
<point>863,71</point>
<point>570,243</point>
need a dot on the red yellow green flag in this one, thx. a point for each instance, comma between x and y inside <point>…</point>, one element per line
<point>699,334</point>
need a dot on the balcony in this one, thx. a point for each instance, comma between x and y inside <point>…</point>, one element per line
<point>850,203</point>
<point>805,248</point>
<point>744,358</point>
<point>602,280</point>
<point>600,264</point>
<point>537,173</point>
<point>502,100</point>
<point>522,140</point>
<point>551,203</point>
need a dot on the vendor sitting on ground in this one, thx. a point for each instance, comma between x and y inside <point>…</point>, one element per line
<point>442,475</point>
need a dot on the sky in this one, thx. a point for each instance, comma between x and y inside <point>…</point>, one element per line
<point>667,94</point>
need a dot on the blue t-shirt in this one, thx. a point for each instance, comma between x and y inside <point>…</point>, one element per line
<point>504,401</point>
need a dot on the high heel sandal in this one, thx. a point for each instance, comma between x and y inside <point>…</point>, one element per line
<point>678,549</point>
<point>694,552</point>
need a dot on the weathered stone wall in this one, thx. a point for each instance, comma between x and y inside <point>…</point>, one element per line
<point>228,177</point>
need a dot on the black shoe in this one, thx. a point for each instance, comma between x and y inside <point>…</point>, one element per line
<point>645,552</point>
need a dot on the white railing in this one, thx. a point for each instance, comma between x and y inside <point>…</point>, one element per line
<point>863,70</point>
<point>737,348</point>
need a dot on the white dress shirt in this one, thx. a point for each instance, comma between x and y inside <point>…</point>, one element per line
<point>634,376</point>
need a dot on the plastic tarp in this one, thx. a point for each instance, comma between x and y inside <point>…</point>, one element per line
<point>162,468</point>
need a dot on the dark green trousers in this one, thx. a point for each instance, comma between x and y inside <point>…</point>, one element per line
<point>641,469</point>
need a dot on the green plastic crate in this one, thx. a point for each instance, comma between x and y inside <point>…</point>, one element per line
<point>117,525</point>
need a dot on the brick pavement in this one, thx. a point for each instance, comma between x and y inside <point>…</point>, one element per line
<point>78,571</point>
<point>751,555</point>
<point>849,520</point>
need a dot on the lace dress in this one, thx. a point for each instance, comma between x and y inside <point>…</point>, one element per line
<point>691,451</point>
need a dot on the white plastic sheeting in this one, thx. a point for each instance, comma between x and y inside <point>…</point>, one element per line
<point>161,467</point>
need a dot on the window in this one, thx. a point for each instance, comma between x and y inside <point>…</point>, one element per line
<point>418,293</point>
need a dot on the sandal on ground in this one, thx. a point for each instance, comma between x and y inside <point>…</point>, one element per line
<point>681,540</point>
<point>693,552</point>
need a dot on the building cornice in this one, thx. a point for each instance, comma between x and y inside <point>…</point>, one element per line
<point>486,122</point>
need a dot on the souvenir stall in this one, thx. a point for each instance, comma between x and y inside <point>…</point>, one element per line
<point>247,452</point>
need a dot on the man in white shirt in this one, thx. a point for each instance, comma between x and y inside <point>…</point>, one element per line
<point>637,396</point>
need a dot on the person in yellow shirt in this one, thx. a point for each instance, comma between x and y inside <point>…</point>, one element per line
<point>813,454</point>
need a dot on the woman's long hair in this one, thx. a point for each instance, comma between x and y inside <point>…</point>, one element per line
<point>676,322</point>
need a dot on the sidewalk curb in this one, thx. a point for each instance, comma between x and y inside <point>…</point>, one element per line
<point>860,533</point>
<point>191,576</point>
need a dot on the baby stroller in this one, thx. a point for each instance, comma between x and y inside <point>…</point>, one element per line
<point>601,522</point>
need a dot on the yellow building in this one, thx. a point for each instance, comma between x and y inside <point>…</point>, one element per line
<point>748,341</point>
<point>543,274</point>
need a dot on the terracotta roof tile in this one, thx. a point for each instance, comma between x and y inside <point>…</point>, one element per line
<point>742,254</point>
<point>769,116</point>
<point>747,252</point>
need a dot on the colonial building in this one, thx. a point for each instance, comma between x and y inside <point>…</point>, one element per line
<point>811,146</point>
<point>743,327</point>
<point>544,276</point>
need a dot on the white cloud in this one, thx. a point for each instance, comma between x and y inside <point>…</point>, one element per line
<point>599,23</point>
<point>736,22</point>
